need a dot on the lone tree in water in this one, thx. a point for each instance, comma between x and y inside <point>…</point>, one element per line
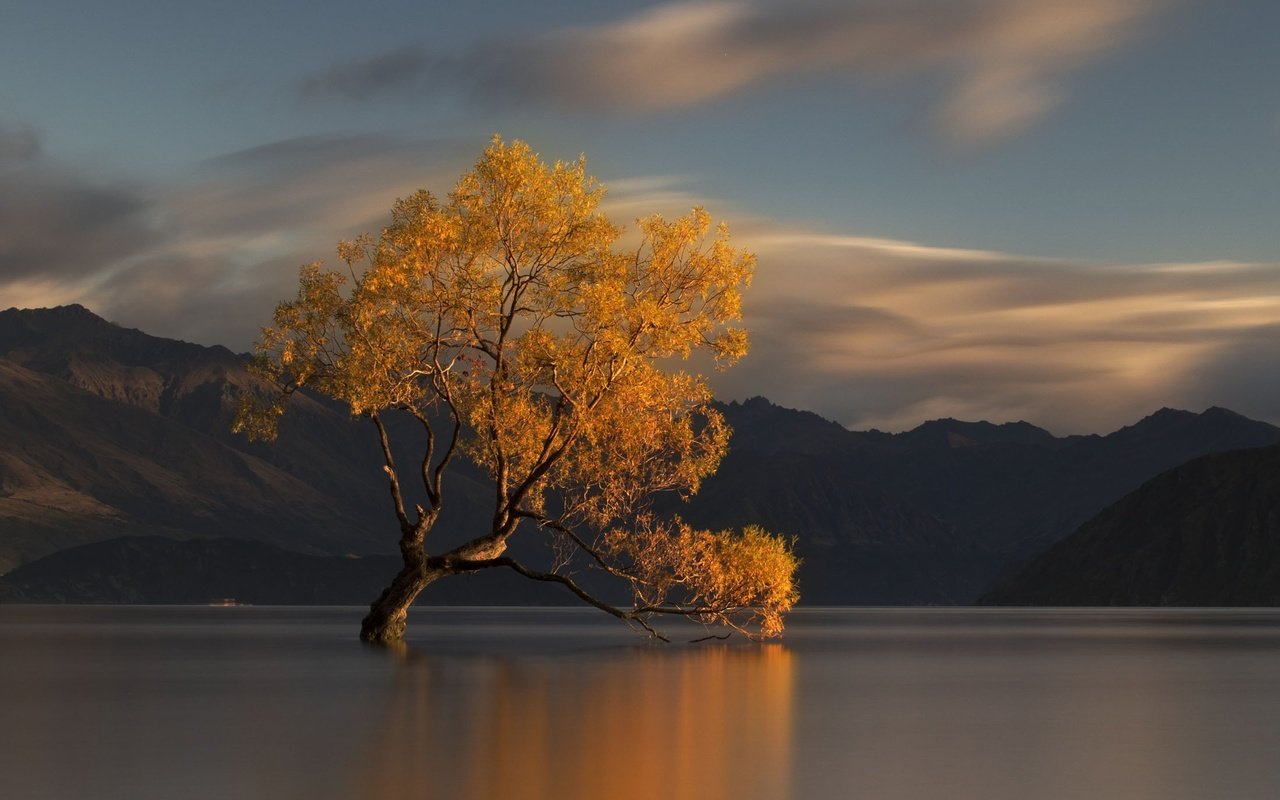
<point>509,324</point>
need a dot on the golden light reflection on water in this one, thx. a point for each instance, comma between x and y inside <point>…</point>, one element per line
<point>702,723</point>
<point>873,704</point>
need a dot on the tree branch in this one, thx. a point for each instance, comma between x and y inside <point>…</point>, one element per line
<point>437,477</point>
<point>432,497</point>
<point>546,458</point>
<point>551,577</point>
<point>389,466</point>
<point>545,522</point>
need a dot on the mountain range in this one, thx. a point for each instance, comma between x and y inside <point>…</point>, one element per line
<point>936,515</point>
<point>1206,533</point>
<point>107,433</point>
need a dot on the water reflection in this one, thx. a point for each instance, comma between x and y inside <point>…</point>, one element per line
<point>281,704</point>
<point>707,723</point>
<point>1062,704</point>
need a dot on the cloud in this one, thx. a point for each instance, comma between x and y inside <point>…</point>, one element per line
<point>201,298</point>
<point>1245,368</point>
<point>882,333</point>
<point>309,185</point>
<point>404,68</point>
<point>204,258</point>
<point>18,144</point>
<point>60,222</point>
<point>1006,63</point>
<point>888,333</point>
<point>240,225</point>
<point>871,332</point>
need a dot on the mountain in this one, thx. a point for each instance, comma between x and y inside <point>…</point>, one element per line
<point>107,432</point>
<point>936,514</point>
<point>860,545</point>
<point>77,463</point>
<point>1015,489</point>
<point>1204,534</point>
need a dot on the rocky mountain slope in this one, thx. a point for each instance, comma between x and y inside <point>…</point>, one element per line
<point>108,432</point>
<point>937,514</point>
<point>1204,534</point>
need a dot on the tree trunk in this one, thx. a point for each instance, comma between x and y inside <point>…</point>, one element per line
<point>384,624</point>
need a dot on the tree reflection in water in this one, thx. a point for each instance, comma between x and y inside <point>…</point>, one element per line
<point>682,722</point>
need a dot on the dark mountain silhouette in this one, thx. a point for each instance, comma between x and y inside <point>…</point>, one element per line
<point>1019,493</point>
<point>1204,534</point>
<point>935,514</point>
<point>75,467</point>
<point>107,432</point>
<point>860,544</point>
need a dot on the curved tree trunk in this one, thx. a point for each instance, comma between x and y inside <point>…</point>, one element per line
<point>384,624</point>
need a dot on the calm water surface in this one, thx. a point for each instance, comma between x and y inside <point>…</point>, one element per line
<point>174,703</point>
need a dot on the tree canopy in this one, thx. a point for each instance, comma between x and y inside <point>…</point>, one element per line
<point>512,323</point>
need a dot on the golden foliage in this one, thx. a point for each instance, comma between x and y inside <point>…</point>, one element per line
<point>511,308</point>
<point>741,579</point>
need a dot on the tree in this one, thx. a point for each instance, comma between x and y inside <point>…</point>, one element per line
<point>510,324</point>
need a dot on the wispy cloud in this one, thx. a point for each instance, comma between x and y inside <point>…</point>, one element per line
<point>59,222</point>
<point>207,257</point>
<point>866,330</point>
<point>18,144</point>
<point>398,70</point>
<point>239,227</point>
<point>1006,63</point>
<point>879,333</point>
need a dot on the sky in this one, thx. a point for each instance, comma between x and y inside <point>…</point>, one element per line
<point>1059,211</point>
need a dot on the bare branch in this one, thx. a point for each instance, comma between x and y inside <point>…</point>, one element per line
<point>551,577</point>
<point>428,455</point>
<point>547,458</point>
<point>546,522</point>
<point>393,480</point>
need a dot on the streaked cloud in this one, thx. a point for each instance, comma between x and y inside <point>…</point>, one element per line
<point>870,331</point>
<point>240,226</point>
<point>1004,63</point>
<point>206,257</point>
<point>56,221</point>
<point>18,143</point>
<point>1245,369</point>
<point>879,333</point>
<point>397,70</point>
<point>887,333</point>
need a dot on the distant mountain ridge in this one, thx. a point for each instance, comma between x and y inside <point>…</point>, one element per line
<point>141,425</point>
<point>107,432</point>
<point>111,432</point>
<point>1206,533</point>
<point>936,514</point>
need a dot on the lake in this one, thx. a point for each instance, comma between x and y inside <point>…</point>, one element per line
<point>179,703</point>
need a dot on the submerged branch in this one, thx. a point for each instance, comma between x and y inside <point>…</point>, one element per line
<point>709,637</point>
